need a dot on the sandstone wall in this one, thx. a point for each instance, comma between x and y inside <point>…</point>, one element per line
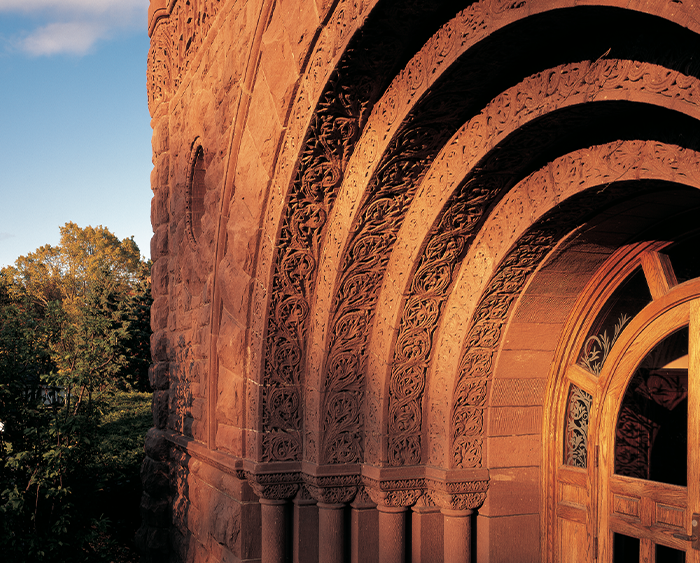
<point>222,76</point>
<point>372,221</point>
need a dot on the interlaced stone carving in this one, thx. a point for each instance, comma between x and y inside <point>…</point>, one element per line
<point>390,193</point>
<point>168,59</point>
<point>429,289</point>
<point>335,128</point>
<point>607,164</point>
<point>449,240</point>
<point>159,86</point>
<point>334,131</point>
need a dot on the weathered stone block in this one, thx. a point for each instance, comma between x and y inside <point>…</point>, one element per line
<point>156,445</point>
<point>159,376</point>
<point>155,512</point>
<point>154,477</point>
<point>159,321</point>
<point>161,408</point>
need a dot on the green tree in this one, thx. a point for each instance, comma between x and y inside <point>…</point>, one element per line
<point>102,288</point>
<point>73,326</point>
<point>66,272</point>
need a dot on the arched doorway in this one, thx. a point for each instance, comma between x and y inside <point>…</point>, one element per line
<point>623,437</point>
<point>647,437</point>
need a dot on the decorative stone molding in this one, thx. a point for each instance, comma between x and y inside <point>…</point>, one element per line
<point>600,165</point>
<point>395,493</point>
<point>451,237</point>
<point>390,193</point>
<point>195,190</point>
<point>342,112</point>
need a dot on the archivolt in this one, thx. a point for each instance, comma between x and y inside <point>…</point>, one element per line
<point>450,207</point>
<point>560,196</point>
<point>289,276</point>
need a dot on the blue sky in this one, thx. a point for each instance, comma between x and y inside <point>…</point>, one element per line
<point>75,136</point>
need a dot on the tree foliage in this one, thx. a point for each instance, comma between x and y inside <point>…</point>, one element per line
<point>69,271</point>
<point>74,328</point>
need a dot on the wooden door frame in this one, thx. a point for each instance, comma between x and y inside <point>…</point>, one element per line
<point>660,318</point>
<point>564,372</point>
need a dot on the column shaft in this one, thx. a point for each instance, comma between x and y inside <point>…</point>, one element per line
<point>457,535</point>
<point>426,535</point>
<point>392,534</point>
<point>305,532</point>
<point>364,535</point>
<point>331,533</point>
<point>273,530</point>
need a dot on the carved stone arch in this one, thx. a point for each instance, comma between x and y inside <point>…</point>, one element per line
<point>482,309</point>
<point>341,76</point>
<point>450,207</point>
<point>516,326</point>
<point>404,134</point>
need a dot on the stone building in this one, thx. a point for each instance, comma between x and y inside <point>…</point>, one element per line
<point>425,281</point>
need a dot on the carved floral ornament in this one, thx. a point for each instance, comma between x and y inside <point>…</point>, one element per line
<point>286,335</point>
<point>372,243</point>
<point>344,489</point>
<point>296,267</point>
<point>433,278</point>
<point>167,64</point>
<point>566,177</point>
<point>175,42</point>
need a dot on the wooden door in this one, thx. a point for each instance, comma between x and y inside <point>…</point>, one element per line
<point>647,438</point>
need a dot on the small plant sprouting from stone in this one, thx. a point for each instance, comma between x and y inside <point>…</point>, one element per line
<point>598,346</point>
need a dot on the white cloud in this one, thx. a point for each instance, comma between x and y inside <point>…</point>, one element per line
<point>73,26</point>
<point>79,6</point>
<point>75,38</point>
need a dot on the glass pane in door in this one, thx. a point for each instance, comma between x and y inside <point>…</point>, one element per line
<point>669,555</point>
<point>651,432</point>
<point>625,549</point>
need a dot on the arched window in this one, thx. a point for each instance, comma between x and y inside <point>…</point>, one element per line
<point>196,190</point>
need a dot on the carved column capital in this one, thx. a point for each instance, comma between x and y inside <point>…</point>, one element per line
<point>395,493</point>
<point>274,486</point>
<point>335,489</point>
<point>467,495</point>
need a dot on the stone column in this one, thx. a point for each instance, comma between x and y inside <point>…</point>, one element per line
<point>392,534</point>
<point>331,532</point>
<point>457,535</point>
<point>333,493</point>
<point>305,529</point>
<point>426,534</point>
<point>273,530</point>
<point>274,491</point>
<point>364,525</point>
<point>393,499</point>
<point>457,501</point>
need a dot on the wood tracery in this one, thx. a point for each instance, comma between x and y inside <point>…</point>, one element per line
<point>576,431</point>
